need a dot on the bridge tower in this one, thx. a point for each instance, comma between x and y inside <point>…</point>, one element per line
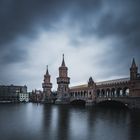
<point>133,70</point>
<point>63,81</point>
<point>134,80</point>
<point>91,89</point>
<point>47,85</point>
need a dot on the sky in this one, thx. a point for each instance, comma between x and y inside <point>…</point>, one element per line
<point>99,38</point>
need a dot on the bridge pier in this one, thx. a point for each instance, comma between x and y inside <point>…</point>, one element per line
<point>130,102</point>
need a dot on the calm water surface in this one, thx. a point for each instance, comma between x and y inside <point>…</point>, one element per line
<point>56,122</point>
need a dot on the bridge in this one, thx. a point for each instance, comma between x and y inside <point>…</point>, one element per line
<point>124,90</point>
<point>119,90</point>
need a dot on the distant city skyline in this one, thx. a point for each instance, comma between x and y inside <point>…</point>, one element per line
<point>98,38</point>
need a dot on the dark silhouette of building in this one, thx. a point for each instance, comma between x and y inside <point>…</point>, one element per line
<point>11,92</point>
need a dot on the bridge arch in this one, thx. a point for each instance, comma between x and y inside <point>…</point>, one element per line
<point>78,102</point>
<point>126,91</point>
<point>102,93</point>
<point>113,92</point>
<point>78,94</point>
<point>119,92</point>
<point>108,93</point>
<point>98,93</point>
<point>82,94</point>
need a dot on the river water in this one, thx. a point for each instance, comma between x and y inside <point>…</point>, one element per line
<point>65,122</point>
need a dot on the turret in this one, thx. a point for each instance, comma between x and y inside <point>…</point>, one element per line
<point>63,70</point>
<point>90,82</point>
<point>47,85</point>
<point>133,70</point>
<point>63,80</point>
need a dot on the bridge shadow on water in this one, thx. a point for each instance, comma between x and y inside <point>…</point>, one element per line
<point>112,104</point>
<point>78,102</point>
<point>103,104</point>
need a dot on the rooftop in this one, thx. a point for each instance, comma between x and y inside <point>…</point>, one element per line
<point>79,86</point>
<point>113,81</point>
<point>103,83</point>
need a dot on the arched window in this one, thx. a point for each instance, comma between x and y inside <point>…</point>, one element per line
<point>98,93</point>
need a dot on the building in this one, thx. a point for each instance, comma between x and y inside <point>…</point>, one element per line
<point>24,97</point>
<point>11,92</point>
<point>47,86</point>
<point>63,82</point>
<point>36,96</point>
<point>125,90</point>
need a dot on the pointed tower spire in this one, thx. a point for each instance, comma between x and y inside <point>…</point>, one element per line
<point>133,64</point>
<point>47,72</point>
<point>133,70</point>
<point>63,62</point>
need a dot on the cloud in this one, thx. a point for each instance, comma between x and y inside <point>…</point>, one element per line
<point>99,39</point>
<point>81,61</point>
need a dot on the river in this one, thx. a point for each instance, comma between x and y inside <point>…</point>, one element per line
<point>64,122</point>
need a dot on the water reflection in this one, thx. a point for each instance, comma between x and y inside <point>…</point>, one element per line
<point>134,122</point>
<point>57,122</point>
<point>68,122</point>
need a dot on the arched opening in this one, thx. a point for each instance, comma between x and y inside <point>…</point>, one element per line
<point>98,93</point>
<point>81,93</point>
<point>78,102</point>
<point>70,94</point>
<point>78,94</point>
<point>89,94</point>
<point>113,92</point>
<point>102,93</point>
<point>108,93</point>
<point>84,93</point>
<point>119,92</point>
<point>112,104</point>
<point>75,94</point>
<point>126,92</point>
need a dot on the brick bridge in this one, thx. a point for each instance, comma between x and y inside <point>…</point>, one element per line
<point>121,90</point>
<point>125,90</point>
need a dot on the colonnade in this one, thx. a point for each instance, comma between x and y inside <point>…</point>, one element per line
<point>113,92</point>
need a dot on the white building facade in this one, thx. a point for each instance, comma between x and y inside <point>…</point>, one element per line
<point>23,97</point>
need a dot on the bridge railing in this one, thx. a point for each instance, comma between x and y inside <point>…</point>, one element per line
<point>113,98</point>
<point>121,96</point>
<point>78,98</point>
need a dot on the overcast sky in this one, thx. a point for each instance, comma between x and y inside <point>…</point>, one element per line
<point>98,37</point>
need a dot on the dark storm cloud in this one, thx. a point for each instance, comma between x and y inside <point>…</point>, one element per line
<point>12,55</point>
<point>101,18</point>
<point>114,19</point>
<point>20,17</point>
<point>23,17</point>
<point>125,26</point>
